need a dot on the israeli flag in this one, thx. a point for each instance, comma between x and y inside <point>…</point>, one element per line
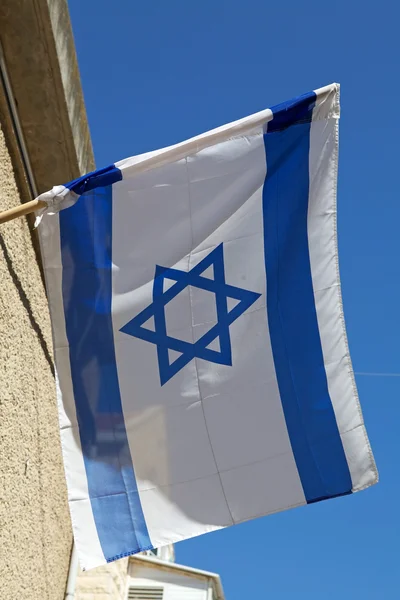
<point>203,371</point>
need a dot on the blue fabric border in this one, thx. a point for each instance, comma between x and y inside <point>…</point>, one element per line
<point>86,247</point>
<point>99,178</point>
<point>294,332</point>
<point>292,112</point>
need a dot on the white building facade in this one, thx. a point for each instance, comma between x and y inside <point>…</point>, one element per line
<point>152,575</point>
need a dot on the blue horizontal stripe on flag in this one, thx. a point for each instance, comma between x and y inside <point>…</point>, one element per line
<point>294,332</point>
<point>86,246</point>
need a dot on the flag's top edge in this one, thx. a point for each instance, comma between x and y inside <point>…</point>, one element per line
<point>323,102</point>
<point>326,105</point>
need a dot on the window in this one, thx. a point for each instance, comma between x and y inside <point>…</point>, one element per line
<point>153,552</point>
<point>145,593</point>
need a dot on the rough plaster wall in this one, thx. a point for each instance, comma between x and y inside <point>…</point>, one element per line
<point>35,535</point>
<point>68,65</point>
<point>40,56</point>
<point>104,583</point>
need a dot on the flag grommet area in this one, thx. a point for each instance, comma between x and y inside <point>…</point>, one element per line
<point>203,372</point>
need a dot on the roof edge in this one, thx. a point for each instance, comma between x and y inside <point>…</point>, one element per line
<point>215,578</point>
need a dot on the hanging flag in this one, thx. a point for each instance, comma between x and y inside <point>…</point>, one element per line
<point>203,371</point>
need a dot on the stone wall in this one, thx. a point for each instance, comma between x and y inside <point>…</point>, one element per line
<point>35,529</point>
<point>104,583</point>
<point>35,535</point>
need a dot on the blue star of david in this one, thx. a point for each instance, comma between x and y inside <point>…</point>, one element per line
<point>220,330</point>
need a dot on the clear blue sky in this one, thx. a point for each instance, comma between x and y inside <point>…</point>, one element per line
<point>156,72</point>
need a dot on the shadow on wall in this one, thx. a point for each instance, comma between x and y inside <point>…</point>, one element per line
<point>26,304</point>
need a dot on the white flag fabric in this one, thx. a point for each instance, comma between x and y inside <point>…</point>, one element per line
<point>203,371</point>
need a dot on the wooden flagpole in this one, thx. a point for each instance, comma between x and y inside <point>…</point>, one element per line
<point>20,211</point>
